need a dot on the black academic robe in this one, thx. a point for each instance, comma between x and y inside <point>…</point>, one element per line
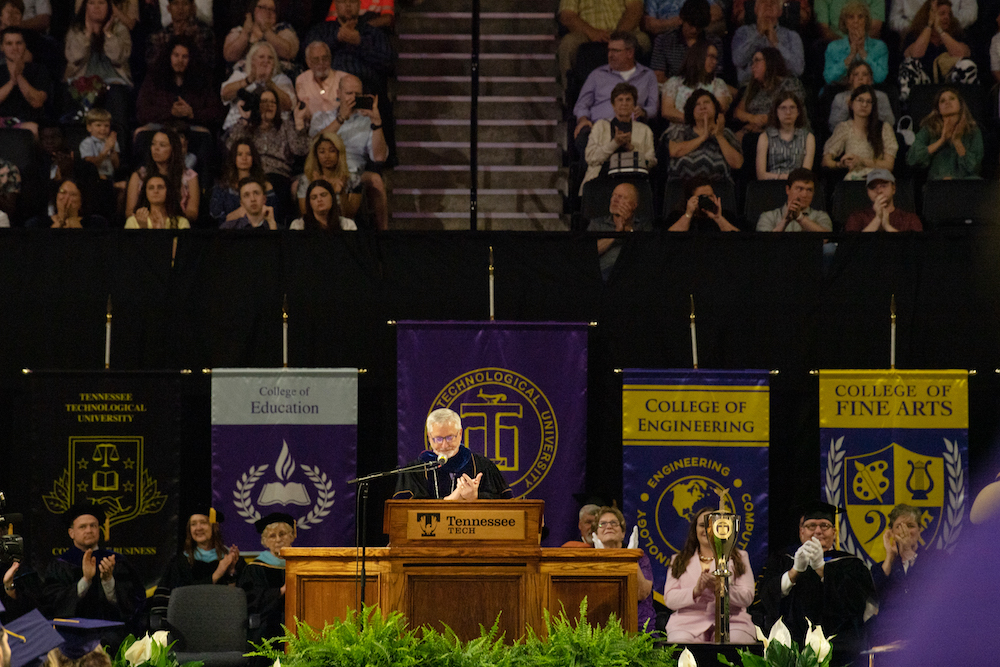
<point>837,602</point>
<point>898,593</point>
<point>262,583</point>
<point>182,573</point>
<point>441,482</point>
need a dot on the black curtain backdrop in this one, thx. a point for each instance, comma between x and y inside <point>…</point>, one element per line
<point>790,304</point>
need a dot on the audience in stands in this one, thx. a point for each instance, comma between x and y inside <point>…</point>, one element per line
<point>859,74</point>
<point>177,87</point>
<point>862,143</point>
<point>184,25</point>
<point>702,210</point>
<point>40,48</point>
<point>159,207</point>
<point>621,218</point>
<point>24,85</point>
<point>242,161</point>
<point>595,21</point>
<point>376,13</point>
<point>949,144</point>
<point>903,15</point>
<point>256,213</point>
<point>322,210</point>
<point>261,25</point>
<point>166,158</point>
<point>699,72</point>
<point>357,47</point>
<point>829,15</point>
<point>102,150</point>
<point>797,215</point>
<point>10,186</point>
<point>856,45</point>
<point>766,33</point>
<point>71,210</point>
<point>785,144</point>
<point>317,86</point>
<point>126,11</point>
<point>98,46</point>
<point>934,50</point>
<point>663,16</point>
<point>882,215</point>
<point>703,145</point>
<point>260,68</point>
<point>769,78</point>
<point>621,134</point>
<point>671,46</point>
<point>327,161</point>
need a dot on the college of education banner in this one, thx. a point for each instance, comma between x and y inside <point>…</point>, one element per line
<point>111,439</point>
<point>890,437</point>
<point>285,440</point>
<point>687,436</point>
<point>521,390</point>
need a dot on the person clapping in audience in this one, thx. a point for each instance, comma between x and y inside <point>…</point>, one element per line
<point>611,535</point>
<point>158,207</point>
<point>934,46</point>
<point>856,45</point>
<point>769,78</point>
<point>797,215</point>
<point>882,215</point>
<point>703,146</point>
<point>949,143</point>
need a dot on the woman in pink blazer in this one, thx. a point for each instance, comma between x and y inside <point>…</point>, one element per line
<point>690,591</point>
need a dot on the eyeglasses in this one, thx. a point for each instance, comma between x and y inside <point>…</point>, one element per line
<point>812,525</point>
<point>608,524</point>
<point>269,10</point>
<point>441,439</point>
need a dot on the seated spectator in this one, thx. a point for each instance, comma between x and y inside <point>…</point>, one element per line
<point>126,11</point>
<point>619,135</point>
<point>263,578</point>
<point>205,559</point>
<point>158,207</point>
<point>317,87</point>
<point>327,160</point>
<point>882,215</point>
<point>699,72</point>
<point>934,50</point>
<point>260,68</point>
<point>587,525</point>
<point>751,39</point>
<point>71,211</point>
<point>769,79</point>
<point>364,140</point>
<point>595,103</point>
<point>376,13</point>
<point>611,532</point>
<point>621,218</point>
<point>98,45</point>
<point>948,144</point>
<point>322,210</point>
<point>10,186</point>
<point>702,210</point>
<point>797,215</point>
<point>703,145</point>
<point>40,48</point>
<point>166,158</point>
<point>862,143</point>
<point>178,88</point>
<point>855,23</point>
<point>184,25</point>
<point>903,14</point>
<point>804,20</point>
<point>278,142</point>
<point>357,47</point>
<point>662,16</point>
<point>595,21</point>
<point>261,25</point>
<point>828,17</point>
<point>671,46</point>
<point>785,145</point>
<point>257,214</point>
<point>242,161</point>
<point>859,74</point>
<point>204,12</point>
<point>24,85</point>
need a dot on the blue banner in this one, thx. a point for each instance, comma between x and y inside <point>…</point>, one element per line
<point>690,437</point>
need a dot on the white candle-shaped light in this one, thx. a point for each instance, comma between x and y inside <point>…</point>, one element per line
<point>284,331</point>
<point>892,333</point>
<point>492,303</point>
<point>107,337</point>
<point>694,336</point>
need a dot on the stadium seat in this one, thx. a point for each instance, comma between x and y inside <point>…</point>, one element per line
<point>958,202</point>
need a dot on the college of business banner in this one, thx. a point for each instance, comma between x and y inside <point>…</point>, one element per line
<point>285,440</point>
<point>890,437</point>
<point>521,390</point>
<point>111,439</point>
<point>689,436</point>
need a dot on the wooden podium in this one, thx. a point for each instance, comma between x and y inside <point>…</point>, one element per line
<point>462,563</point>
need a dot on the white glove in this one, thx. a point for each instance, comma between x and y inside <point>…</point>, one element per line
<point>633,540</point>
<point>816,562</point>
<point>597,542</point>
<point>802,557</point>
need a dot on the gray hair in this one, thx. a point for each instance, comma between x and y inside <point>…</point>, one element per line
<point>901,509</point>
<point>319,43</point>
<point>444,416</point>
<point>589,510</point>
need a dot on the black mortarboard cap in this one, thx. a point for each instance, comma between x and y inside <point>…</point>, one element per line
<point>31,636</point>
<point>273,517</point>
<point>817,509</point>
<point>80,509</point>
<point>214,515</point>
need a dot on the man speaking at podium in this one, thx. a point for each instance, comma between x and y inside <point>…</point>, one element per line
<point>463,474</point>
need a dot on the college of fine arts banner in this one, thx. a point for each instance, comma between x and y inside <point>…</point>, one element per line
<point>687,436</point>
<point>111,439</point>
<point>890,437</point>
<point>521,390</point>
<point>285,440</point>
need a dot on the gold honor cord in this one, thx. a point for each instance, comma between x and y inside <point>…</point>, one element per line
<point>492,293</point>
<point>892,333</point>
<point>694,337</point>
<point>284,331</point>
<point>107,337</point>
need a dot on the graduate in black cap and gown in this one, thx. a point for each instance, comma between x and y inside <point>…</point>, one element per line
<point>263,579</point>
<point>206,559</point>
<point>814,580</point>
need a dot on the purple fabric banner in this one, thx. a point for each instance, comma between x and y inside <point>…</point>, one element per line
<point>521,390</point>
<point>285,441</point>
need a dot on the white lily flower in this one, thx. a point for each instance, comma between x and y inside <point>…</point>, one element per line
<point>819,643</point>
<point>277,662</point>
<point>161,637</point>
<point>687,659</point>
<point>761,637</point>
<point>780,634</point>
<point>140,651</point>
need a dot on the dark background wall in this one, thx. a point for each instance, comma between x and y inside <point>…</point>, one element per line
<point>789,304</point>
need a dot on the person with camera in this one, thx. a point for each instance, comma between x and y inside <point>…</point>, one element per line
<point>260,68</point>
<point>797,215</point>
<point>703,210</point>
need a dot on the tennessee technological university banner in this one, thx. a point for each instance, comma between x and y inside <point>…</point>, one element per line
<point>285,440</point>
<point>689,436</point>
<point>111,439</point>
<point>521,390</point>
<point>890,437</point>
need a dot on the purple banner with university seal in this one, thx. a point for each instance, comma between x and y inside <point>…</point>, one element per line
<point>521,390</point>
<point>285,440</point>
<point>689,436</point>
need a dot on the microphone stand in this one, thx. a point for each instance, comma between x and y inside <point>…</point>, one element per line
<point>361,510</point>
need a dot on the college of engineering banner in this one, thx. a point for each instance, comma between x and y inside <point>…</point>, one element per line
<point>521,390</point>
<point>890,437</point>
<point>285,440</point>
<point>111,439</point>
<point>689,436</point>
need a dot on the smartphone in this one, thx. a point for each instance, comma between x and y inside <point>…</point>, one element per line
<point>364,101</point>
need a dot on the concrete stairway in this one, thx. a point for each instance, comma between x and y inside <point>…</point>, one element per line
<point>521,180</point>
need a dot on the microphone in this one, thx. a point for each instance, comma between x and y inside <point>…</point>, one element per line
<point>441,460</point>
